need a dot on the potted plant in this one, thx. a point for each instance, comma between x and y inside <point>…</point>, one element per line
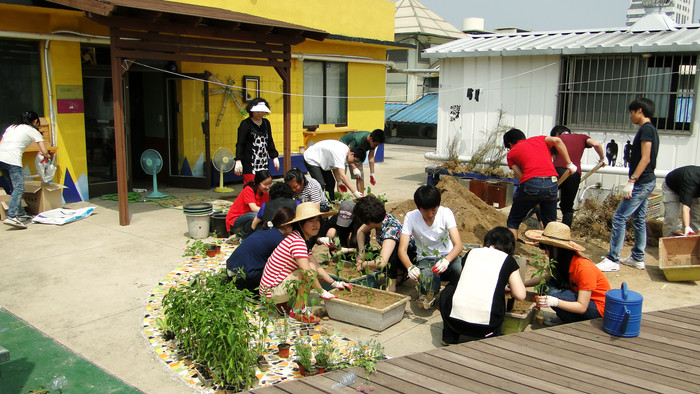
<point>324,351</point>
<point>282,333</point>
<point>361,307</point>
<point>194,248</point>
<point>211,250</point>
<point>303,352</point>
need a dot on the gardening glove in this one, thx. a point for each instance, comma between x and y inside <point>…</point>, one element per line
<point>372,180</point>
<point>276,163</point>
<point>357,194</point>
<point>357,173</point>
<point>571,167</point>
<point>627,191</point>
<point>325,241</point>
<point>341,285</point>
<point>441,266</point>
<point>547,302</point>
<point>414,272</point>
<point>346,250</point>
<point>342,187</point>
<point>238,169</point>
<point>602,161</point>
<point>689,231</point>
<point>326,295</point>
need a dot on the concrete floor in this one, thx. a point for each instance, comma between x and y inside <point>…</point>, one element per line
<point>86,284</point>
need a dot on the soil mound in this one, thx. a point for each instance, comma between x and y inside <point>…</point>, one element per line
<point>474,217</point>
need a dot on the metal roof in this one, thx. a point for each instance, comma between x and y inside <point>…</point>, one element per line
<point>685,38</point>
<point>422,111</point>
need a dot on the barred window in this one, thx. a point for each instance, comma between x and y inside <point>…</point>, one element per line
<point>595,91</point>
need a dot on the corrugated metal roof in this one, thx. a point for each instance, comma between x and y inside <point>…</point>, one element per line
<point>685,38</point>
<point>412,17</point>
<point>392,108</point>
<point>423,111</point>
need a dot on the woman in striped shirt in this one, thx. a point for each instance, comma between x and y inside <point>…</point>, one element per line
<point>292,265</point>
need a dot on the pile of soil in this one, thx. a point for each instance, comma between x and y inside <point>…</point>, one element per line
<point>368,296</point>
<point>343,269</point>
<point>474,217</point>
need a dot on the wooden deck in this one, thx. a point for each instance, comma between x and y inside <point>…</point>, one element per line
<point>578,357</point>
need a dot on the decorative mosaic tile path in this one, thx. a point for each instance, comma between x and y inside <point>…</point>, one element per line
<point>280,369</point>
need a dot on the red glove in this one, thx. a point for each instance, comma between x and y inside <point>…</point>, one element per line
<point>372,180</point>
<point>342,187</point>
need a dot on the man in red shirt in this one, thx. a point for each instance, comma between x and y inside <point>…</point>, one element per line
<point>531,161</point>
<point>575,145</point>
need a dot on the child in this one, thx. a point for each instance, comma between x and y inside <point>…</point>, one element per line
<point>636,193</point>
<point>369,142</point>
<point>438,243</point>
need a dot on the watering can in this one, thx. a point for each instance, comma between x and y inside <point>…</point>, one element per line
<point>623,312</point>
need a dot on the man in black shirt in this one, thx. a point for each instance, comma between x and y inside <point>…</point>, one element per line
<point>682,188</point>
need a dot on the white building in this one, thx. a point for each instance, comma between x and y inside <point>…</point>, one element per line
<point>583,79</point>
<point>680,11</point>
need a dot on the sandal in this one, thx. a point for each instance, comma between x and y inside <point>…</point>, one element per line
<point>306,318</point>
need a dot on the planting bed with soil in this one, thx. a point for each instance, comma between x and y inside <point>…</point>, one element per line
<point>369,297</point>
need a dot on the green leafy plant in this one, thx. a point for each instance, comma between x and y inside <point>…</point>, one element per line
<point>365,355</point>
<point>303,352</point>
<point>324,351</point>
<point>195,247</point>
<point>543,268</point>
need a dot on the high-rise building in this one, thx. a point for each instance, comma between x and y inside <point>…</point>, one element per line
<point>680,11</point>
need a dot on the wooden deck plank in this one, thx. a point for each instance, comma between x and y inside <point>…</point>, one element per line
<point>682,369</point>
<point>268,390</point>
<point>677,337</point>
<point>608,360</point>
<point>692,310</point>
<point>670,322</point>
<point>299,387</point>
<point>406,385</point>
<point>424,381</point>
<point>676,317</point>
<point>508,360</point>
<point>440,372</point>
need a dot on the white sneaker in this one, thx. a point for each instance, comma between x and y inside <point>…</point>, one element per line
<point>633,263</point>
<point>608,265</point>
<point>14,222</point>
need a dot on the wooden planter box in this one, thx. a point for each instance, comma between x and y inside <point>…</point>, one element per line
<point>679,258</point>
<point>367,316</point>
<point>516,322</point>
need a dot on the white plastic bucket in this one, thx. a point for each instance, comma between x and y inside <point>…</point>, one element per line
<point>198,225</point>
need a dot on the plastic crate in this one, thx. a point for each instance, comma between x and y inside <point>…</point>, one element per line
<point>679,258</point>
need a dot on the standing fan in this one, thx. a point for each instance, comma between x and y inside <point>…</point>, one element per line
<point>223,161</point>
<point>152,163</point>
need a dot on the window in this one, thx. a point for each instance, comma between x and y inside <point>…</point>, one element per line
<point>325,93</point>
<point>20,80</point>
<point>595,91</point>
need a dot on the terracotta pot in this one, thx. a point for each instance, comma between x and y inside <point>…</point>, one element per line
<point>283,350</point>
<point>302,370</point>
<point>321,369</point>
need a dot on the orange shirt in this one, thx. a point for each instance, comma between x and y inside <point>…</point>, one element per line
<point>584,275</point>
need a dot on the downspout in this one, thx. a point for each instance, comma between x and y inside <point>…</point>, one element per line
<point>49,90</point>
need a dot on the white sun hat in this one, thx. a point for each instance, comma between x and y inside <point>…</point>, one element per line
<point>260,107</point>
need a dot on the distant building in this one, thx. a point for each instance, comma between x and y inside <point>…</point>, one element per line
<point>680,11</point>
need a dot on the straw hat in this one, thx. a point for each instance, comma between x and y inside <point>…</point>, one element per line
<point>308,210</point>
<point>260,107</point>
<point>556,234</point>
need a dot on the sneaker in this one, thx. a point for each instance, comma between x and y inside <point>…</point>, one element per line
<point>608,265</point>
<point>25,217</point>
<point>633,263</point>
<point>552,321</point>
<point>307,318</point>
<point>14,222</point>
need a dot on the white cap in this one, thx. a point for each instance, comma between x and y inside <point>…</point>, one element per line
<point>260,107</point>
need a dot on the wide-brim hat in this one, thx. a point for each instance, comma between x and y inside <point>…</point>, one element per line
<point>308,210</point>
<point>260,107</point>
<point>345,213</point>
<point>556,234</point>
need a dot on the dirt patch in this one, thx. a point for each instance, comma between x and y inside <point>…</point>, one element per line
<point>343,269</point>
<point>520,307</point>
<point>474,217</point>
<point>369,297</point>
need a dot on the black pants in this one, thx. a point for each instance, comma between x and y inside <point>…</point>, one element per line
<point>452,328</point>
<point>568,190</point>
<point>325,178</point>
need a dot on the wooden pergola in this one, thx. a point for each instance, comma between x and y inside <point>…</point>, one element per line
<point>165,30</point>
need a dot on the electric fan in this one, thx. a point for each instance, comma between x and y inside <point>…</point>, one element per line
<point>152,163</point>
<point>223,161</point>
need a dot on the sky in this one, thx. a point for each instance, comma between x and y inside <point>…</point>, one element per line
<point>538,15</point>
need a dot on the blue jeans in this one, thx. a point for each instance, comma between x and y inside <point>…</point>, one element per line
<point>242,224</point>
<point>14,177</point>
<point>636,208</point>
<point>569,295</point>
<point>542,191</point>
<point>430,281</point>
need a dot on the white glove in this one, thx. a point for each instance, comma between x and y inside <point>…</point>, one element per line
<point>341,285</point>
<point>357,173</point>
<point>238,169</point>
<point>602,161</point>
<point>276,163</point>
<point>346,250</point>
<point>627,191</point>
<point>441,266</point>
<point>571,167</point>
<point>414,272</point>
<point>688,231</point>
<point>547,301</point>
<point>326,295</point>
<point>357,194</point>
<point>325,241</point>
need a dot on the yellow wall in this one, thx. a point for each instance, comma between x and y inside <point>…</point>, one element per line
<point>355,18</point>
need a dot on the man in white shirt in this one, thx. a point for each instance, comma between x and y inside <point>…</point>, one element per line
<point>325,161</point>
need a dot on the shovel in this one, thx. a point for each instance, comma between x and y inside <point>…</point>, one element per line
<point>596,168</point>
<point>563,177</point>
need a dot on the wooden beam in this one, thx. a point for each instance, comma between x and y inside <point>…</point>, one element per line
<point>135,54</point>
<point>287,116</point>
<point>100,8</point>
<point>197,50</point>
<point>200,41</point>
<point>119,134</point>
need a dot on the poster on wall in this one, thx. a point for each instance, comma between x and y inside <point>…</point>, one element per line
<point>69,99</point>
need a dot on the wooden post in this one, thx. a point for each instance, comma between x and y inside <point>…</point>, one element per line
<point>284,73</point>
<point>119,132</point>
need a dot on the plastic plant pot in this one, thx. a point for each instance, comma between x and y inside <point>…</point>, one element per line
<point>283,349</point>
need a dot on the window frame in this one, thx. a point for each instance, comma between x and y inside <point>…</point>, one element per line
<point>324,79</point>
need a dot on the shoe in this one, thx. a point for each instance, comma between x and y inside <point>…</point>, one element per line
<point>633,263</point>
<point>608,265</point>
<point>14,222</point>
<point>25,217</point>
<point>552,321</point>
<point>306,318</point>
<point>426,301</point>
<point>443,343</point>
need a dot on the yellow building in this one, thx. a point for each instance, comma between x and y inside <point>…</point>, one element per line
<point>57,60</point>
